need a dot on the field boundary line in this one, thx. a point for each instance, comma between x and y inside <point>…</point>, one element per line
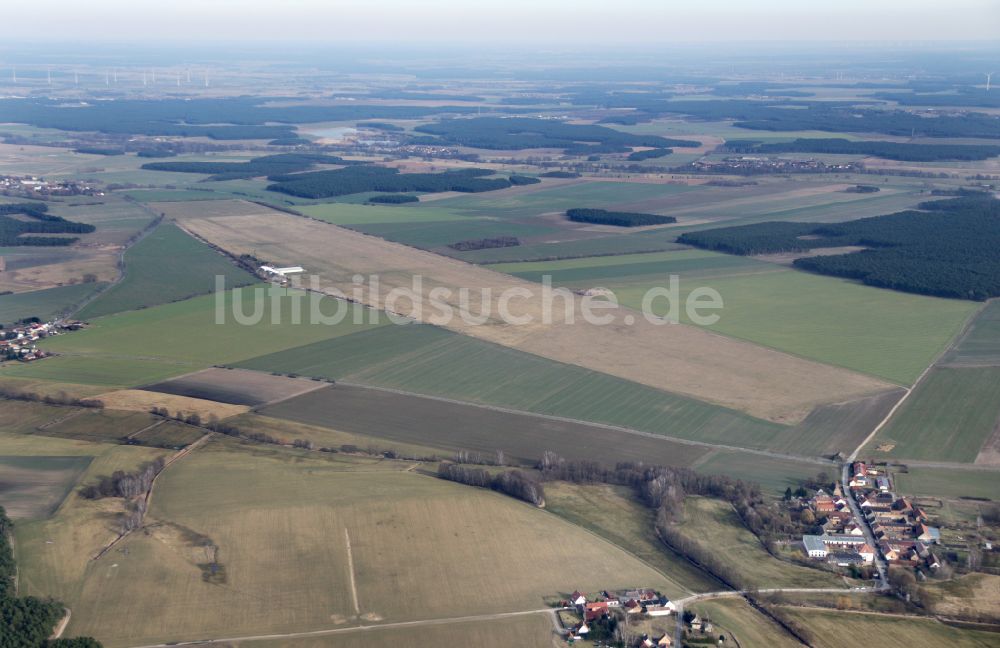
<point>146,429</point>
<point>359,628</point>
<point>350,568</point>
<point>606,426</point>
<point>923,374</point>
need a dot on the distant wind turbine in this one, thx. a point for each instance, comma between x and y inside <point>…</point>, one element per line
<point>989,75</point>
<point>48,75</point>
<point>13,73</point>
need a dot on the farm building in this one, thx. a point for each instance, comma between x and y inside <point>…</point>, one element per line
<point>281,272</point>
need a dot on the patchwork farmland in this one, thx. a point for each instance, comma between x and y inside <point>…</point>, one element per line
<point>786,392</point>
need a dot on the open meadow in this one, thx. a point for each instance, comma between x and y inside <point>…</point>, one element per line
<point>371,543</point>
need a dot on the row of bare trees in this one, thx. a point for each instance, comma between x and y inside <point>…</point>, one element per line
<point>515,483</point>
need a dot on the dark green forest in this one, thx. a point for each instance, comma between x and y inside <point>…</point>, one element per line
<point>621,219</point>
<point>516,133</point>
<point>888,150</point>
<point>360,179</point>
<point>219,118</point>
<point>393,199</point>
<point>790,115</point>
<point>268,165</point>
<point>14,231</point>
<point>651,154</point>
<point>27,622</point>
<point>950,249</point>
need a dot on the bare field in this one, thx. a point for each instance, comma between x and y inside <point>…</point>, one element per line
<point>142,401</point>
<point>681,359</point>
<point>235,386</point>
<point>454,426</point>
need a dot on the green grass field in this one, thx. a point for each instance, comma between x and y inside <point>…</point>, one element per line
<point>715,525</point>
<point>435,362</point>
<point>151,344</point>
<point>555,199</point>
<point>166,266</point>
<point>172,195</point>
<point>948,483</point>
<point>772,473</point>
<point>437,234</point>
<point>885,333</point>
<point>981,344</point>
<point>98,370</point>
<point>359,214</point>
<point>589,271</point>
<point>420,548</point>
<point>947,418</point>
<point>46,303</point>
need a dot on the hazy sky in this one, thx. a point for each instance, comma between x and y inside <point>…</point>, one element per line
<point>535,21</point>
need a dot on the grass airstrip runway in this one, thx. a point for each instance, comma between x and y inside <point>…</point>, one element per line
<point>681,359</point>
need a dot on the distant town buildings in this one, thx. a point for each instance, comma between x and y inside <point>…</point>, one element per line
<point>36,187</point>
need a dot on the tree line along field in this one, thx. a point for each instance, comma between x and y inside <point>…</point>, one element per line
<point>285,555</point>
<point>884,333</point>
<point>167,265</point>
